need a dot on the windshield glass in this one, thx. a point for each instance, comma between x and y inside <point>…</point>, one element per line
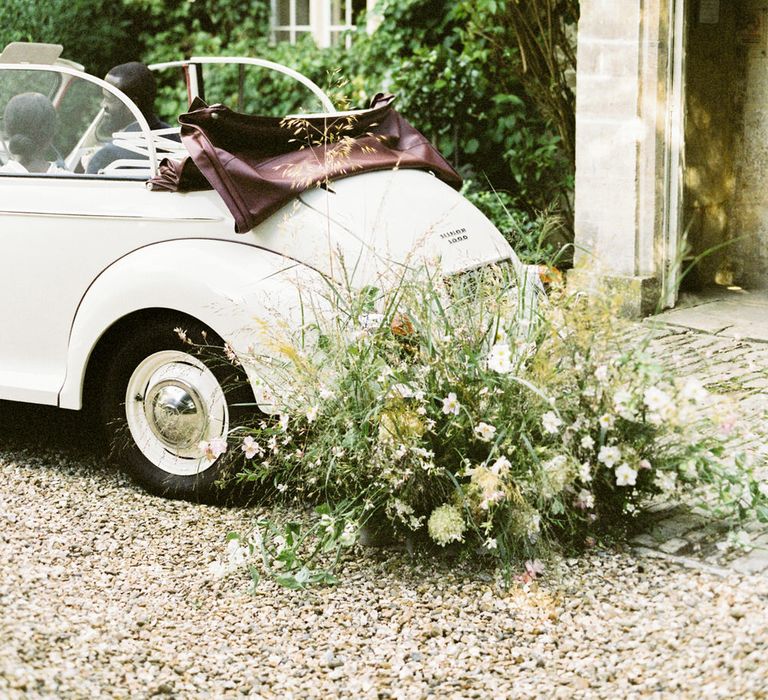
<point>56,123</point>
<point>245,88</point>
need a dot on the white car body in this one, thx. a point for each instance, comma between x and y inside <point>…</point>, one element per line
<point>82,254</point>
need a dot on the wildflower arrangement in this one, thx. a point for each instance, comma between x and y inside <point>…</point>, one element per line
<point>451,411</point>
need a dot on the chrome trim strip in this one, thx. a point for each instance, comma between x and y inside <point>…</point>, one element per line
<point>113,217</point>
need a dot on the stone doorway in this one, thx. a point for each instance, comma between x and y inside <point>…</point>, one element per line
<point>725,214</point>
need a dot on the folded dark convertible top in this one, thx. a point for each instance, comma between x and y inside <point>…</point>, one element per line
<point>258,164</point>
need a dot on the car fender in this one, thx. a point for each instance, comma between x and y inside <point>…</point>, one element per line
<point>243,293</point>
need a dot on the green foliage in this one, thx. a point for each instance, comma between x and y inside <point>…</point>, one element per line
<point>455,66</point>
<point>537,238</point>
<point>457,416</point>
<point>96,33</point>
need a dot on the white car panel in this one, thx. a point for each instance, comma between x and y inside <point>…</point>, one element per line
<point>232,288</point>
<point>56,237</point>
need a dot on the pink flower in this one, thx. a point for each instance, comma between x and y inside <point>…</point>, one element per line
<point>250,447</point>
<point>214,449</point>
<point>533,568</point>
<point>230,353</point>
<point>584,500</point>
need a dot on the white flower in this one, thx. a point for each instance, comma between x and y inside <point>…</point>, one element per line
<point>501,467</point>
<point>762,487</point>
<point>625,475</point>
<point>556,475</point>
<point>451,405</point>
<point>609,455</point>
<point>237,553</point>
<point>585,472</point>
<point>488,486</point>
<point>606,421</point>
<point>446,525</point>
<point>282,488</point>
<point>490,544</point>
<point>694,391</point>
<point>585,500</point>
<point>284,419</point>
<point>665,481</point>
<point>325,393</point>
<point>218,569</point>
<point>312,414</point>
<point>620,400</point>
<point>656,400</point>
<point>250,447</point>
<point>621,397</point>
<point>213,449</point>
<point>500,358</point>
<point>348,535</point>
<point>551,422</point>
<point>230,354</point>
<point>485,431</point>
<point>587,442</point>
<point>601,373</point>
<point>402,509</point>
<point>423,453</point>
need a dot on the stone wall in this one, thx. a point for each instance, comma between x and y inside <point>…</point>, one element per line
<point>726,145</point>
<point>749,213</point>
<point>620,121</point>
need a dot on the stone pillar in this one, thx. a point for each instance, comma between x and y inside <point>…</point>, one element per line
<point>622,82</point>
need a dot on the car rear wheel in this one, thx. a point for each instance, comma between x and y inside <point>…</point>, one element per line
<point>170,408</point>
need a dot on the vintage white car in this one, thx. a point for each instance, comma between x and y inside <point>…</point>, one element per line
<point>96,270</point>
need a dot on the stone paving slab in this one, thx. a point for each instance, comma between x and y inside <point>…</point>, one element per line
<point>737,369</point>
<point>732,312</point>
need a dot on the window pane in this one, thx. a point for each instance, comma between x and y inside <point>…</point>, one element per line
<point>283,13</point>
<point>281,35</point>
<point>302,12</point>
<point>48,120</point>
<point>358,7</point>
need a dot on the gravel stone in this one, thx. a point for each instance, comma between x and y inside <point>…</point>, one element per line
<point>105,593</point>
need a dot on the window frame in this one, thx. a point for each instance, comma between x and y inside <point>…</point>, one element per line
<point>321,26</point>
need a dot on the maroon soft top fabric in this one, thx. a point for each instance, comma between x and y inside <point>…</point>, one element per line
<point>257,164</point>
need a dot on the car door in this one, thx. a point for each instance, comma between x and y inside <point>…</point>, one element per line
<point>60,229</point>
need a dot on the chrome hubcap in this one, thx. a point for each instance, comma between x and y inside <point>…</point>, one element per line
<point>175,406</point>
<point>176,414</point>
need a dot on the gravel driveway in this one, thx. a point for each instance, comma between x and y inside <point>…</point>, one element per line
<point>104,592</point>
